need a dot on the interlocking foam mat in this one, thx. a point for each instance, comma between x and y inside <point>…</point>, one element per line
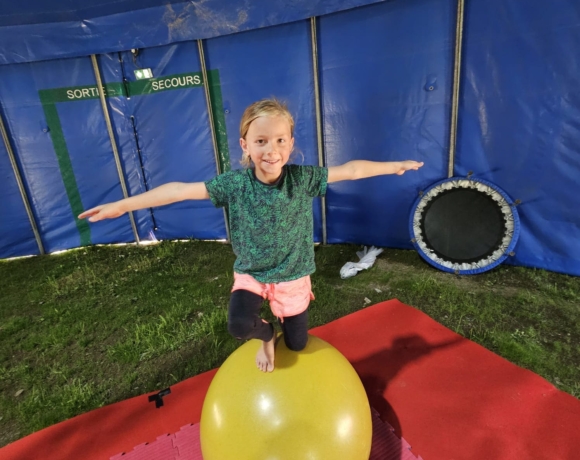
<point>185,445</point>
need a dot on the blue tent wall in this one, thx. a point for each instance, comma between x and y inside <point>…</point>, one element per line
<point>36,30</point>
<point>174,137</point>
<point>376,77</point>
<point>16,235</point>
<point>54,187</point>
<point>519,121</point>
<point>386,72</point>
<point>119,107</point>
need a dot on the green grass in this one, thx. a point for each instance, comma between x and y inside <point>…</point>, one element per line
<point>98,325</point>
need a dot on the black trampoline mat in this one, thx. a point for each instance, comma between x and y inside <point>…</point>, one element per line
<point>463,225</point>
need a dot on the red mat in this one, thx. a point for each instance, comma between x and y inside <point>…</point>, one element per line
<point>448,397</point>
<point>185,445</point>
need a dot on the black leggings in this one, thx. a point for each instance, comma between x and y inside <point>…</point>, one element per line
<point>244,321</point>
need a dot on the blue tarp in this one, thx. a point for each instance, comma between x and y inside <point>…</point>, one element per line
<point>386,78</point>
<point>520,119</point>
<point>392,114</point>
<point>35,30</point>
<point>16,235</point>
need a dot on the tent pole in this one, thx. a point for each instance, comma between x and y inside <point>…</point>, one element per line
<point>314,42</point>
<point>456,84</point>
<point>211,123</point>
<point>113,142</point>
<point>25,199</point>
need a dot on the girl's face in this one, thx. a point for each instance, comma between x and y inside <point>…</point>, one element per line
<point>269,144</point>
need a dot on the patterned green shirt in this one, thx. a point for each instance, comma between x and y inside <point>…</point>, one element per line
<point>271,225</point>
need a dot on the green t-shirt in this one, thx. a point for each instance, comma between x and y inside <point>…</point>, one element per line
<point>271,225</point>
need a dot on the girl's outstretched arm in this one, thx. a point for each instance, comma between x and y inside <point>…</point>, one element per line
<point>159,196</point>
<point>359,169</point>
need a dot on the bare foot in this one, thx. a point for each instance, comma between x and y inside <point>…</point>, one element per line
<point>265,355</point>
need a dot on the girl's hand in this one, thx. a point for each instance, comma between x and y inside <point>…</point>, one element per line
<point>408,165</point>
<point>104,211</point>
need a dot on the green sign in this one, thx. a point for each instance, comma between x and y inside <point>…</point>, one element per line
<point>156,85</point>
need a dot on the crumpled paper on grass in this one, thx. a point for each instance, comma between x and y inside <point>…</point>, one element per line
<point>367,259</point>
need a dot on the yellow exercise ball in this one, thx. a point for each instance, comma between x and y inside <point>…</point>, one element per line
<point>311,407</point>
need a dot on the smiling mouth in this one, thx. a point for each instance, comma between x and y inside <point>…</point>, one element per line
<point>271,162</point>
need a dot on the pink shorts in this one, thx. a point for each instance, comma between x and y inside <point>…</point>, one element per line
<point>287,298</point>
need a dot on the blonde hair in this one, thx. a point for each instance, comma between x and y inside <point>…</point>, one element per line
<point>264,108</point>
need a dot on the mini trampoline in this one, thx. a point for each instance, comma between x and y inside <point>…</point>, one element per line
<point>464,225</point>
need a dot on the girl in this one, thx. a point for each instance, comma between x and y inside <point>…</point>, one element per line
<point>270,213</point>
